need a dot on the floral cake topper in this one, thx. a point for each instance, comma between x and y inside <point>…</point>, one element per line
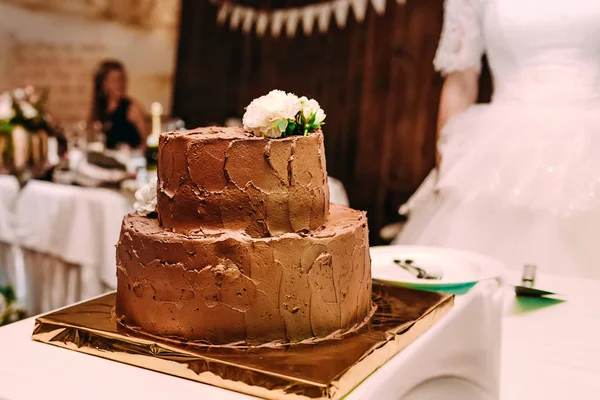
<point>280,114</point>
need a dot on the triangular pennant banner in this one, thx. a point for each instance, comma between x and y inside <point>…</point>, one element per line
<point>340,11</point>
<point>289,19</point>
<point>292,20</point>
<point>379,6</point>
<point>223,13</point>
<point>324,17</point>
<point>236,17</point>
<point>308,19</point>
<point>248,21</point>
<point>360,9</point>
<point>262,22</point>
<point>277,22</point>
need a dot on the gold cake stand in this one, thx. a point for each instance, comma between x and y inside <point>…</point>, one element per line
<point>326,370</point>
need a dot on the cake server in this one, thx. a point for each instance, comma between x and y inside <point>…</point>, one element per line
<point>526,289</point>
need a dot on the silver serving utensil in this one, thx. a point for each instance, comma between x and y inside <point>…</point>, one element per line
<point>526,289</point>
<point>418,272</point>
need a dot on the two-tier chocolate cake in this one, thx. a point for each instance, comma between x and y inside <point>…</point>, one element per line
<point>244,247</point>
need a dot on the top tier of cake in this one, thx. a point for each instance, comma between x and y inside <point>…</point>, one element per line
<point>215,179</point>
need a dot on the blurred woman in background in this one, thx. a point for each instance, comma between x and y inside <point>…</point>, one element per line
<point>123,118</point>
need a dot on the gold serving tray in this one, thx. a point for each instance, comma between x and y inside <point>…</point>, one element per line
<point>326,370</point>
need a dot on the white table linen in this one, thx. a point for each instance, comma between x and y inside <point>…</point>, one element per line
<point>76,225</point>
<point>463,346</point>
<point>548,353</point>
<point>9,191</point>
<point>551,350</point>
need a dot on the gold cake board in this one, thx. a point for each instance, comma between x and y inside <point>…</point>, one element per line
<point>326,370</point>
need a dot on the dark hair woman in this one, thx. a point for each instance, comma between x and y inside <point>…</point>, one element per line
<point>122,118</point>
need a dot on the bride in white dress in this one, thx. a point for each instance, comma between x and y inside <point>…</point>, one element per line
<point>519,178</point>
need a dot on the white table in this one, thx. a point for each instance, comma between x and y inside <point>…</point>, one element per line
<point>552,351</point>
<point>548,353</point>
<point>32,370</point>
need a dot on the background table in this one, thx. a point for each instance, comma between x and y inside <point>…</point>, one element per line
<point>460,352</point>
<point>67,234</point>
<point>9,192</point>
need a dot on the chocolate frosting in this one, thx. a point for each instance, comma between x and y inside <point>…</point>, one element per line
<point>216,179</point>
<point>227,287</point>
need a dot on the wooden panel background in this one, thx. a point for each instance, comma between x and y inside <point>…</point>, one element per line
<point>375,81</point>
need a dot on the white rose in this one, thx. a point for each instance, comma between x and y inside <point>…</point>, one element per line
<point>320,116</point>
<point>7,111</point>
<point>28,110</point>
<point>311,107</point>
<point>269,115</point>
<point>146,199</point>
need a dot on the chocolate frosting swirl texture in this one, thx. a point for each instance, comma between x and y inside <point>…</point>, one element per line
<point>230,287</point>
<point>216,179</point>
<point>246,249</point>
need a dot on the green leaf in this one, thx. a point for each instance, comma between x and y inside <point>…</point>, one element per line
<point>9,294</point>
<point>291,127</point>
<point>6,127</point>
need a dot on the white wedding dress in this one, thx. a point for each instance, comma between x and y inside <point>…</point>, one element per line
<point>520,177</point>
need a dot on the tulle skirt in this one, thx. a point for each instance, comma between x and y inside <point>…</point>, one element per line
<point>520,183</point>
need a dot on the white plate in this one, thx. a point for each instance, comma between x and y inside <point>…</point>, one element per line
<point>459,268</point>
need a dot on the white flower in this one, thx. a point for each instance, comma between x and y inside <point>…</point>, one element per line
<point>19,94</point>
<point>7,111</point>
<point>310,108</point>
<point>28,110</point>
<point>146,199</point>
<point>269,115</point>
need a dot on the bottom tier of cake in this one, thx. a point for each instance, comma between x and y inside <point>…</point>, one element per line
<point>231,288</point>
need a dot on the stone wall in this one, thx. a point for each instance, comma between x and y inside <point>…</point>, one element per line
<point>59,44</point>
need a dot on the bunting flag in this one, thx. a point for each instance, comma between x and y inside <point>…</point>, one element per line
<point>262,22</point>
<point>340,11</point>
<point>288,20</point>
<point>308,20</point>
<point>291,21</point>
<point>324,17</point>
<point>236,17</point>
<point>360,9</point>
<point>248,21</point>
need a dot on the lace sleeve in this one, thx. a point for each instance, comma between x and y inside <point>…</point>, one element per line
<point>461,44</point>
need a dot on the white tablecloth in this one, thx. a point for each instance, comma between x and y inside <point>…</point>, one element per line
<point>459,353</point>
<point>551,350</point>
<point>9,190</point>
<point>77,225</point>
